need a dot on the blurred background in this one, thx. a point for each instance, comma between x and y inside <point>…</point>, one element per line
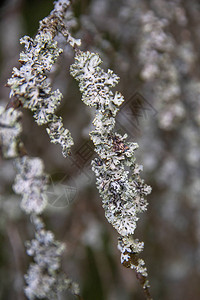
<point>154,47</point>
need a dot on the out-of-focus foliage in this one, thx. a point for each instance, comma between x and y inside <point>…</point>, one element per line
<point>154,47</point>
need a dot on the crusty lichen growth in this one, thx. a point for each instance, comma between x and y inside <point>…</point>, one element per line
<point>29,84</point>
<point>117,174</point>
<point>44,278</point>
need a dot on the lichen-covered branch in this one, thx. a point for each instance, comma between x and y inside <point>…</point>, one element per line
<point>30,85</point>
<point>44,278</point>
<point>117,174</point>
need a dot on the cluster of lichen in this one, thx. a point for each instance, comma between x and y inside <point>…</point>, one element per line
<point>30,84</point>
<point>30,88</point>
<point>117,175</point>
<point>44,278</point>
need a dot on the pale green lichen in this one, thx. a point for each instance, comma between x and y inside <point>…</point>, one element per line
<point>117,175</point>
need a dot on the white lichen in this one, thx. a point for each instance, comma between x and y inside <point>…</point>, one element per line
<point>30,85</point>
<point>44,278</point>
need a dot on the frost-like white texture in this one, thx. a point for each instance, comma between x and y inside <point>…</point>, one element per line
<point>117,175</point>
<point>29,84</point>
<point>31,183</point>
<point>10,129</point>
<point>44,279</point>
